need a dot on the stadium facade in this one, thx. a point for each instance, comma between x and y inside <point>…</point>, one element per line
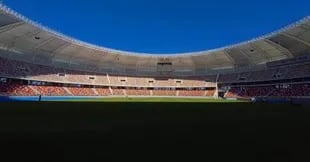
<point>35,60</point>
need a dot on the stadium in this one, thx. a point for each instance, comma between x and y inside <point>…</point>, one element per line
<point>37,61</point>
<point>122,105</point>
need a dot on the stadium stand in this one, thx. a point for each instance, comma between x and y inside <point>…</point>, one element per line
<point>250,91</point>
<point>138,92</point>
<point>191,92</point>
<point>27,70</point>
<point>264,67</point>
<point>193,82</point>
<point>103,91</point>
<point>99,79</point>
<point>210,92</point>
<point>23,70</point>
<point>82,91</point>
<point>51,74</point>
<point>286,90</point>
<point>50,90</point>
<point>164,82</point>
<point>144,81</point>
<point>15,89</point>
<point>164,92</point>
<point>118,91</point>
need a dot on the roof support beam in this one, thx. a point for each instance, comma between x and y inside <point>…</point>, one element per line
<point>10,26</point>
<point>263,51</point>
<point>248,57</point>
<point>42,43</point>
<point>229,57</point>
<point>28,34</point>
<point>282,49</point>
<point>61,47</point>
<point>297,39</point>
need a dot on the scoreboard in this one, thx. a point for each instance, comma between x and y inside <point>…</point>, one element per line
<point>164,67</point>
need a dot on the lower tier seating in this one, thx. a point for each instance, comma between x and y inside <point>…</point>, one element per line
<point>23,89</point>
<point>289,90</point>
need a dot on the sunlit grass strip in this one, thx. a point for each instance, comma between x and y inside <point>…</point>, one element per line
<point>132,99</point>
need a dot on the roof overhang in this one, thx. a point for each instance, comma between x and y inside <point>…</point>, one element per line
<point>32,41</point>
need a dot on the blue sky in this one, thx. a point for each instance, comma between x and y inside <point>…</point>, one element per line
<point>163,26</point>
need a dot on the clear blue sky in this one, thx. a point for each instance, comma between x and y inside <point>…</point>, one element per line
<point>163,26</point>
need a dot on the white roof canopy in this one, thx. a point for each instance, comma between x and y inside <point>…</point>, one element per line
<point>30,40</point>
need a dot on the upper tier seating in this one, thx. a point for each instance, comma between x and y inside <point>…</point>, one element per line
<point>18,69</point>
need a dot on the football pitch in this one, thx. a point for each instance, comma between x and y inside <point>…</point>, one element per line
<point>182,129</point>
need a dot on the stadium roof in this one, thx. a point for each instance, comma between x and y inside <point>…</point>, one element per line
<point>30,40</point>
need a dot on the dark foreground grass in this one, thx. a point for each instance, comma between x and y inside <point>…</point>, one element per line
<point>146,131</point>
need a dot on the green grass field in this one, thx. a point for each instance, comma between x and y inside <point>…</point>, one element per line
<point>133,99</point>
<point>140,129</point>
